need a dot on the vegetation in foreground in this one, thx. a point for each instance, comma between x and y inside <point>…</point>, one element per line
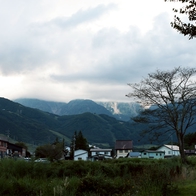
<point>123,177</point>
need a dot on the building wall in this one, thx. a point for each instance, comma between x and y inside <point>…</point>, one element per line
<point>108,153</point>
<point>122,153</point>
<point>153,155</point>
<point>80,155</point>
<point>3,148</point>
<point>23,152</point>
<point>9,149</point>
<point>169,152</point>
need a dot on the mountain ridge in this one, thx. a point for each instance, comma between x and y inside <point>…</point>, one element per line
<point>119,110</point>
<point>38,127</point>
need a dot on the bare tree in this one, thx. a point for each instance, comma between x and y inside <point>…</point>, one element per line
<point>188,27</point>
<point>173,95</point>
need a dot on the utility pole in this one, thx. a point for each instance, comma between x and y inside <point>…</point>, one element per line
<point>74,146</point>
<point>172,144</point>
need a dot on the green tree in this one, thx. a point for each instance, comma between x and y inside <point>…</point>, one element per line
<point>50,151</point>
<point>190,140</point>
<point>42,151</point>
<point>81,142</point>
<point>188,9</point>
<point>173,95</point>
<point>78,142</point>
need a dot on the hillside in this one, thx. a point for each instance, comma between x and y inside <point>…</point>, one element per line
<point>98,129</point>
<point>38,127</point>
<point>25,124</point>
<point>46,106</point>
<point>121,111</point>
<point>81,106</point>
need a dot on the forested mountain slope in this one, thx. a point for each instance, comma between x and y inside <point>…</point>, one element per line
<point>34,126</point>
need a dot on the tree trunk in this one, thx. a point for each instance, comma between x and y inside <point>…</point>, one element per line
<point>181,147</point>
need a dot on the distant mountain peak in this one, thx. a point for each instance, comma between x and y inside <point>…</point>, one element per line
<point>119,110</point>
<point>114,106</point>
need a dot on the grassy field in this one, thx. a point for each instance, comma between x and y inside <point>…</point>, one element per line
<point>122,177</point>
<point>185,182</point>
<point>186,187</point>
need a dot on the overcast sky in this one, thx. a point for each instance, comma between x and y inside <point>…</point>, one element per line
<point>61,50</point>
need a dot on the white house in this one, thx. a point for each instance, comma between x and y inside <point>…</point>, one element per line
<point>170,150</point>
<point>80,155</point>
<point>99,154</point>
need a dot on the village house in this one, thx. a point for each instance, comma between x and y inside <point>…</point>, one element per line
<point>100,154</point>
<point>134,155</point>
<point>3,148</point>
<point>80,155</point>
<point>123,147</point>
<point>15,150</point>
<point>190,152</point>
<point>153,154</point>
<point>9,149</point>
<point>170,150</point>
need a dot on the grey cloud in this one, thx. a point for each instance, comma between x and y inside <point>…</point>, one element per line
<point>107,57</point>
<point>32,45</point>
<point>98,63</point>
<point>20,56</point>
<point>127,57</point>
<point>82,16</point>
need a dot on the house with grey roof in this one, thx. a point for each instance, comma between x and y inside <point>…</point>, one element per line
<point>170,150</point>
<point>123,147</point>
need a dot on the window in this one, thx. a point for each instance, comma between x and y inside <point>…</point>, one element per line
<point>126,150</point>
<point>105,152</point>
<point>156,154</point>
<point>120,151</point>
<point>144,153</point>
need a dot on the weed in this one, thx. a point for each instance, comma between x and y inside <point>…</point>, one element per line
<point>124,177</point>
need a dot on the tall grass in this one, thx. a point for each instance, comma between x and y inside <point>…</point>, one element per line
<point>131,177</point>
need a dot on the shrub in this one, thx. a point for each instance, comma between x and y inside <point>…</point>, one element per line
<point>114,177</point>
<point>101,185</point>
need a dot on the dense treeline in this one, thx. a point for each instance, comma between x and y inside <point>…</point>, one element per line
<point>190,140</point>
